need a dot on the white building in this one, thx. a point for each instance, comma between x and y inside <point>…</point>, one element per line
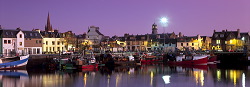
<point>12,42</point>
<point>94,36</point>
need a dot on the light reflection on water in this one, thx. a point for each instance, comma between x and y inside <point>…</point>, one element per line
<point>139,76</point>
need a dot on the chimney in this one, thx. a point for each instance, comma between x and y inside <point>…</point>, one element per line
<point>38,30</point>
<point>126,35</point>
<point>180,34</point>
<point>18,28</point>
<point>238,33</point>
<point>56,30</point>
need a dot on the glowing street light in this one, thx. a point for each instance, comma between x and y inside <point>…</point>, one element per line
<point>164,21</point>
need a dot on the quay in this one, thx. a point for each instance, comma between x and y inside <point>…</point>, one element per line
<point>41,61</point>
<point>232,57</point>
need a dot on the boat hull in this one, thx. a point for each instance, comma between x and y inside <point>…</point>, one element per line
<point>89,67</point>
<point>18,64</point>
<point>201,61</point>
<point>151,59</point>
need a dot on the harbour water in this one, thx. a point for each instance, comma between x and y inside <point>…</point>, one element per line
<point>151,75</point>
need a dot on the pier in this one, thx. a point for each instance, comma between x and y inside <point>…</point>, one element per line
<point>232,57</point>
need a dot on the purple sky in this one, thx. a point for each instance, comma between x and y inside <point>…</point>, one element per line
<point>116,17</point>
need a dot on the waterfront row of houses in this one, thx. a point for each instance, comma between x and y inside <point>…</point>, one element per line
<point>50,41</point>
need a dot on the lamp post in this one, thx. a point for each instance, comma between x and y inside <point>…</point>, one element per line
<point>164,23</point>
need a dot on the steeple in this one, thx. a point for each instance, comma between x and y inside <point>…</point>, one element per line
<point>48,26</point>
<point>154,29</point>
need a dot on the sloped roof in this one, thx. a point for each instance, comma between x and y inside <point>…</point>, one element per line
<point>97,31</point>
<point>50,34</point>
<point>32,34</point>
<point>8,33</point>
<point>186,38</point>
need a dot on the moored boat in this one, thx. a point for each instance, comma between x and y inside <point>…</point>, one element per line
<point>18,62</point>
<point>190,60</point>
<point>148,58</point>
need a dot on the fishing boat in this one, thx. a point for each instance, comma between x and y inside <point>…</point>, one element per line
<point>18,62</point>
<point>149,58</point>
<point>189,60</point>
<point>88,61</point>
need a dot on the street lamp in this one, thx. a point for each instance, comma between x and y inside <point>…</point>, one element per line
<point>164,22</point>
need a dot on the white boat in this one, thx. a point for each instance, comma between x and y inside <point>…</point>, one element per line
<point>18,62</point>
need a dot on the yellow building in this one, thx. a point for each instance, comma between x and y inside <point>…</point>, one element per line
<point>53,45</point>
<point>192,43</point>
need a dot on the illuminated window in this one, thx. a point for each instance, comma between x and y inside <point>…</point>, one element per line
<point>217,41</point>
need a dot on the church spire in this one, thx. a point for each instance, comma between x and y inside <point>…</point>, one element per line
<point>48,26</point>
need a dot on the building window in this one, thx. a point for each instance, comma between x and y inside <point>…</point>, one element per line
<point>47,49</point>
<point>40,41</point>
<point>217,41</point>
<point>46,42</point>
<point>37,41</point>
<point>58,43</point>
<point>5,41</point>
<point>58,48</point>
<point>53,42</point>
<point>221,35</point>
<point>181,44</point>
<point>143,38</point>
<point>9,41</point>
<point>192,44</point>
<point>20,43</point>
<point>20,35</point>
<point>38,51</point>
<point>187,44</point>
<point>170,44</point>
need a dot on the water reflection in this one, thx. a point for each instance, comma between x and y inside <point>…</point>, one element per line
<point>138,76</point>
<point>13,78</point>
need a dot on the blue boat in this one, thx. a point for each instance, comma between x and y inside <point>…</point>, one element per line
<point>19,62</point>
